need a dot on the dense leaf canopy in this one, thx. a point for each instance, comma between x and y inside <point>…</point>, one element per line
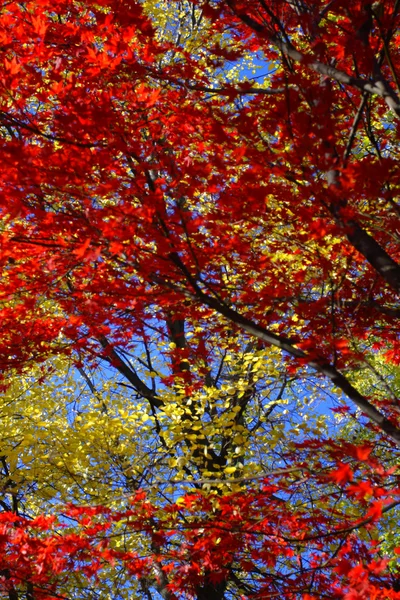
<point>199,339</point>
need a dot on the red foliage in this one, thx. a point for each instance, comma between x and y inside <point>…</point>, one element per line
<point>250,531</point>
<point>128,178</point>
<point>79,181</point>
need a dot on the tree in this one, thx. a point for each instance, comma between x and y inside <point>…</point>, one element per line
<point>191,227</point>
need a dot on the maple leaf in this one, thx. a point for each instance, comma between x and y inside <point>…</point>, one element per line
<point>82,249</point>
<point>344,566</point>
<point>12,65</point>
<point>40,25</point>
<point>375,511</point>
<point>343,474</point>
<point>361,489</point>
<point>363,452</point>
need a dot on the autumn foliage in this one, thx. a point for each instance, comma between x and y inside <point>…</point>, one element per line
<point>200,220</point>
<point>248,531</point>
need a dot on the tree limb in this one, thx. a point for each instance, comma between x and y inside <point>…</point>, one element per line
<point>289,346</point>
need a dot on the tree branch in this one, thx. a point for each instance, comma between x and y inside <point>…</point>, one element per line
<point>373,252</point>
<point>129,374</point>
<point>289,346</point>
<point>378,86</point>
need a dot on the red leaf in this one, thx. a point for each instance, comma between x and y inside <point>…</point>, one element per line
<point>343,474</point>
<point>375,511</point>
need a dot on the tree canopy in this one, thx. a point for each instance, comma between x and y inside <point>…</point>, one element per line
<point>199,338</point>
